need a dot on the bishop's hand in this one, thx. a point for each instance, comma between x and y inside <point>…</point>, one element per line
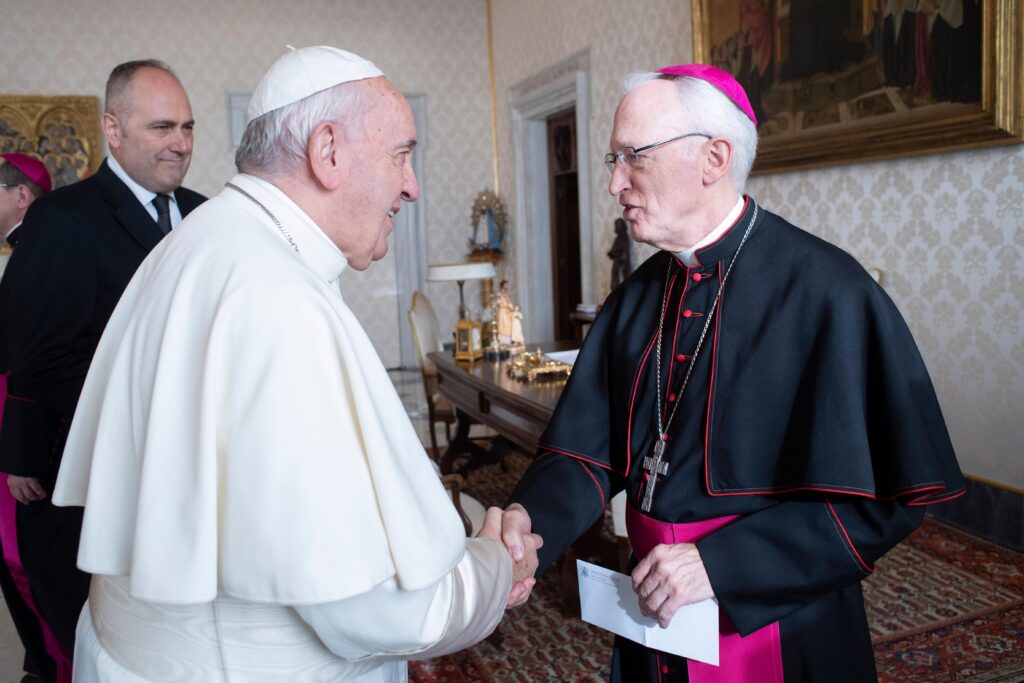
<point>670,577</point>
<point>523,549</point>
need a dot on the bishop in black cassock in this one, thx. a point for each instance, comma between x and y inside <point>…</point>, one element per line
<point>801,436</point>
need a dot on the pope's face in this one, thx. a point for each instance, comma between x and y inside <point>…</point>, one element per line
<point>660,197</point>
<point>381,177</point>
<point>152,137</point>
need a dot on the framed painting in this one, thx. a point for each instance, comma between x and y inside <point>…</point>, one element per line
<point>835,81</point>
<point>63,131</point>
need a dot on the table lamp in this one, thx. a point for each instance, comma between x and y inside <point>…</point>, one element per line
<point>468,335</point>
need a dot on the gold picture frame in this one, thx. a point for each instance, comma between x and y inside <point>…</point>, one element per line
<point>890,120</point>
<point>63,131</point>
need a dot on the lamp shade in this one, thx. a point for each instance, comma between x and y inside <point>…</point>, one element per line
<point>455,272</point>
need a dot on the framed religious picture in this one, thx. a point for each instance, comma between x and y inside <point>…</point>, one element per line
<point>63,131</point>
<point>852,80</point>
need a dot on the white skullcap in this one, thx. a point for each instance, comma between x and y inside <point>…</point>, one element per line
<point>304,72</point>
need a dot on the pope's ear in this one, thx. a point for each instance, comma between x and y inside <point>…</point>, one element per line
<point>717,160</point>
<point>111,130</point>
<point>324,151</point>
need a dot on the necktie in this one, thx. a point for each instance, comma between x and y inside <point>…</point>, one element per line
<point>163,212</point>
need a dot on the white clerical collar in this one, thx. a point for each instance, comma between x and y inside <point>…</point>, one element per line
<point>314,246</point>
<point>13,228</point>
<point>688,256</point>
<point>144,196</point>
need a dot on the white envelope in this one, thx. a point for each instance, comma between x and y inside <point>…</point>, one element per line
<point>607,600</point>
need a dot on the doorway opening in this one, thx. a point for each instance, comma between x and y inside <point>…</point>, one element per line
<point>563,183</point>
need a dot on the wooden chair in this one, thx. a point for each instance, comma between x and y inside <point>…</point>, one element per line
<point>471,511</point>
<point>426,337</point>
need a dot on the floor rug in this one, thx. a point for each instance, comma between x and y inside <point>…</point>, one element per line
<point>942,606</point>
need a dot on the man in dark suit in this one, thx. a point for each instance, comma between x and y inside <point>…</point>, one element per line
<point>79,247</point>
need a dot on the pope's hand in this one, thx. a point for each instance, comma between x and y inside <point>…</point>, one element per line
<point>25,489</point>
<point>524,562</point>
<point>670,577</point>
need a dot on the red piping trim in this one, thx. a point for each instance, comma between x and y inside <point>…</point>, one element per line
<point>915,502</point>
<point>632,403</point>
<point>711,386</point>
<point>596,485</point>
<point>925,500</point>
<point>746,203</point>
<point>584,458</point>
<point>21,398</point>
<point>675,337</point>
<point>868,568</point>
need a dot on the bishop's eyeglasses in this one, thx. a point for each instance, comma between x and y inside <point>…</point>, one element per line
<point>630,157</point>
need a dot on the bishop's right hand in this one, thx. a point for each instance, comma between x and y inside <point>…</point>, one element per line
<point>523,548</point>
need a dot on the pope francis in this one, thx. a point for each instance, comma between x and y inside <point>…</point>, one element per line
<point>257,506</point>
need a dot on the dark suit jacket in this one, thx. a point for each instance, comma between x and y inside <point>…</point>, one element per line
<point>79,246</point>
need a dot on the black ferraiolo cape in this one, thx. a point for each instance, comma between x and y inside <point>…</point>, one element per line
<point>809,411</point>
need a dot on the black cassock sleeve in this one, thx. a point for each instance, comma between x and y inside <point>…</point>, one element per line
<point>771,563</point>
<point>564,497</point>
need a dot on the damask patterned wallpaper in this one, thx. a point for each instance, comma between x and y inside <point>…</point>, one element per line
<point>947,231</point>
<point>437,48</point>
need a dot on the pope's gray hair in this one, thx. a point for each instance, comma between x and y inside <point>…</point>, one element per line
<point>708,110</point>
<point>275,144</point>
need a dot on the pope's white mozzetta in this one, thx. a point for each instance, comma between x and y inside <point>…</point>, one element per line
<point>243,458</point>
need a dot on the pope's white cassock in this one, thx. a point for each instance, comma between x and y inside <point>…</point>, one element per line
<point>257,505</point>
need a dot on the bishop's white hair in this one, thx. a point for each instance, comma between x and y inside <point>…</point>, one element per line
<point>275,144</point>
<point>708,110</point>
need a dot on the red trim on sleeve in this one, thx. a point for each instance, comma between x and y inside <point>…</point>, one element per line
<point>577,456</point>
<point>600,491</point>
<point>864,565</point>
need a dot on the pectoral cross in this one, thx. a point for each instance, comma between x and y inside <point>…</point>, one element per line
<point>653,466</point>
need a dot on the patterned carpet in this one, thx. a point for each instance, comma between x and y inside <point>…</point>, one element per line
<point>943,606</point>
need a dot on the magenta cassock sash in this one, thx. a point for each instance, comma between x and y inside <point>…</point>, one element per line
<point>12,557</point>
<point>757,657</point>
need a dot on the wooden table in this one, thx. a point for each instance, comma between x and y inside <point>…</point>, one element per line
<point>483,392</point>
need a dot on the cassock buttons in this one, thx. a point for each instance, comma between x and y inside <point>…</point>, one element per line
<point>697,277</point>
<point>687,313</point>
<point>671,398</point>
<point>680,357</point>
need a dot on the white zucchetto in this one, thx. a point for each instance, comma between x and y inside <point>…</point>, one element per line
<point>306,71</point>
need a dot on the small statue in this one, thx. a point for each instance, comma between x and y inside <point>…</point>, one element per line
<point>503,314</point>
<point>518,341</point>
<point>619,253</point>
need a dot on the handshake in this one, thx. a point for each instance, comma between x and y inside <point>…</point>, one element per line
<point>670,576</point>
<point>512,527</point>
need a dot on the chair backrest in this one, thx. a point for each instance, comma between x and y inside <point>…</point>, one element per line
<point>426,331</point>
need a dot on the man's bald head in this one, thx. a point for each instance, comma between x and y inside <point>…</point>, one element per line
<point>117,98</point>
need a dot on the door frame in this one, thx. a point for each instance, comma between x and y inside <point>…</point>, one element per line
<point>560,87</point>
<point>410,238</point>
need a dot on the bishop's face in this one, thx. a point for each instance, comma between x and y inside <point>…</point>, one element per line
<point>382,176</point>
<point>661,191</point>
